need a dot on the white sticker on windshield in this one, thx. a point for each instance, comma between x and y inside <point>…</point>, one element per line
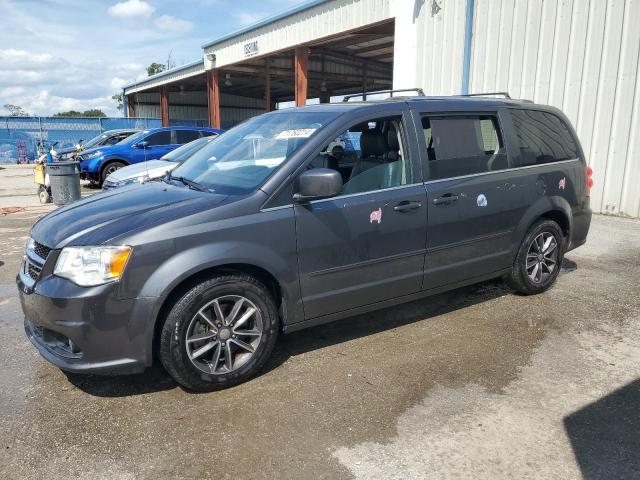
<point>296,133</point>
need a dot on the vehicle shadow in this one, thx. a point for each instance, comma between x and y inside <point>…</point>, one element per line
<point>605,435</point>
<point>154,379</point>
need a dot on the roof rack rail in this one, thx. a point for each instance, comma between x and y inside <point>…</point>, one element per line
<point>346,98</point>
<point>504,94</point>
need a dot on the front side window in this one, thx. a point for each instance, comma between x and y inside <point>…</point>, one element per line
<point>240,160</point>
<point>542,138</point>
<point>463,145</point>
<point>369,156</point>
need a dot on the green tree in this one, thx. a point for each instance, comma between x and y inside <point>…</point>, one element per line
<point>118,99</point>
<point>94,112</point>
<point>155,68</point>
<point>15,110</point>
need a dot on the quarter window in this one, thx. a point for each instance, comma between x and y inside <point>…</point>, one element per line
<point>542,138</point>
<point>463,145</point>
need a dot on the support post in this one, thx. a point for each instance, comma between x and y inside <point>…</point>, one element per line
<point>164,106</point>
<point>131,107</point>
<point>213,97</point>
<point>301,75</point>
<point>267,86</point>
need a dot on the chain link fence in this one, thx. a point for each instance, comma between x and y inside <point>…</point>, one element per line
<point>20,137</point>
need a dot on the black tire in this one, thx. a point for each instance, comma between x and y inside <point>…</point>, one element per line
<point>109,168</point>
<point>520,279</point>
<point>173,339</point>
<point>44,195</point>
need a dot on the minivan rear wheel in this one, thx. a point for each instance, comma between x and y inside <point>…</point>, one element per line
<point>220,333</point>
<point>539,258</point>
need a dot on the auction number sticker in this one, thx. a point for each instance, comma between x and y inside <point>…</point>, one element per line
<point>296,133</point>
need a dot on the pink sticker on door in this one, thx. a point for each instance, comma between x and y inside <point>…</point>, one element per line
<point>376,216</point>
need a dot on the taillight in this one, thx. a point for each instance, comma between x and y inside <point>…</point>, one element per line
<point>588,173</point>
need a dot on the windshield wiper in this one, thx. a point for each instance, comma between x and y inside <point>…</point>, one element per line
<point>185,181</point>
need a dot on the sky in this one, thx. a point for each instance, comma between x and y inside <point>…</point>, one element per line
<point>58,55</point>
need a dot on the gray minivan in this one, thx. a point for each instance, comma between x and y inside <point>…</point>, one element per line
<point>272,228</point>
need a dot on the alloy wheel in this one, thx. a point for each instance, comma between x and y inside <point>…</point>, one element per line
<point>224,334</point>
<point>542,257</point>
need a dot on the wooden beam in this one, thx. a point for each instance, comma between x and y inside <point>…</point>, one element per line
<point>267,86</point>
<point>213,98</point>
<point>164,106</point>
<point>301,66</point>
<point>131,108</point>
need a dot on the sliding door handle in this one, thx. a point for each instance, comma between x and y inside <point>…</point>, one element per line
<point>445,199</point>
<point>406,206</point>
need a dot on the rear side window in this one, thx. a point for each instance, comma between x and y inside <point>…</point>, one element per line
<point>159,138</point>
<point>542,138</point>
<point>186,136</point>
<point>463,145</point>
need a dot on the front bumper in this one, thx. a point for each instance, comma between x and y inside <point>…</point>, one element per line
<point>88,330</point>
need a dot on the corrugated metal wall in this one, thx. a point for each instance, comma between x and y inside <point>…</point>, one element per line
<point>581,56</point>
<point>193,106</point>
<point>440,44</point>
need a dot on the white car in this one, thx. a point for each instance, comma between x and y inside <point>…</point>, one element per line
<point>153,169</point>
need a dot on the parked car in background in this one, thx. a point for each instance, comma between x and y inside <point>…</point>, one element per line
<point>99,162</point>
<point>153,169</point>
<point>110,137</point>
<point>259,233</point>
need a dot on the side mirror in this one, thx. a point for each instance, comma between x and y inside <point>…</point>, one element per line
<point>318,183</point>
<point>143,144</point>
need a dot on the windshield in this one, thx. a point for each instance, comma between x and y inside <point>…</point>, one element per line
<point>186,150</point>
<point>94,141</point>
<point>133,138</point>
<point>243,157</point>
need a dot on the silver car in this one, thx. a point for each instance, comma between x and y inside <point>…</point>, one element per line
<point>153,169</point>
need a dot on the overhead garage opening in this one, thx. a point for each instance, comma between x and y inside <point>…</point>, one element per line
<point>354,62</point>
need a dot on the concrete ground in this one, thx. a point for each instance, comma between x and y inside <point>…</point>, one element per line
<point>477,383</point>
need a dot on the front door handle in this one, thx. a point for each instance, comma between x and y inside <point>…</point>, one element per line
<point>406,206</point>
<point>445,199</point>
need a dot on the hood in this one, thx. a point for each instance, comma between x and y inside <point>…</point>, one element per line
<point>63,151</point>
<point>103,216</point>
<point>152,168</point>
<point>105,149</point>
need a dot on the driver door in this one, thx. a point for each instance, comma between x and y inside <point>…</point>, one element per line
<point>367,244</point>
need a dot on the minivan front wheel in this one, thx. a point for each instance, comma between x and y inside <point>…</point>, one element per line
<point>220,333</point>
<point>539,258</point>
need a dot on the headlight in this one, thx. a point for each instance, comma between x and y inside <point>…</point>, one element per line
<point>90,266</point>
<point>129,181</point>
<point>91,156</point>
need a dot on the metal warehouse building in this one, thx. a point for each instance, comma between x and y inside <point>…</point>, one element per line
<point>579,55</point>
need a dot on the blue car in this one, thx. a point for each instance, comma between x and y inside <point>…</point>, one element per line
<point>98,163</point>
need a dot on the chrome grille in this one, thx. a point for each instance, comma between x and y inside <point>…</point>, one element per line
<point>41,250</point>
<point>33,270</point>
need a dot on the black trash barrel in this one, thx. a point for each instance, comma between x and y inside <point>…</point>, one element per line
<point>65,181</point>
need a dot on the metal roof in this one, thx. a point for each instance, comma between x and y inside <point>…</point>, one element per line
<point>186,66</point>
<point>278,16</point>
